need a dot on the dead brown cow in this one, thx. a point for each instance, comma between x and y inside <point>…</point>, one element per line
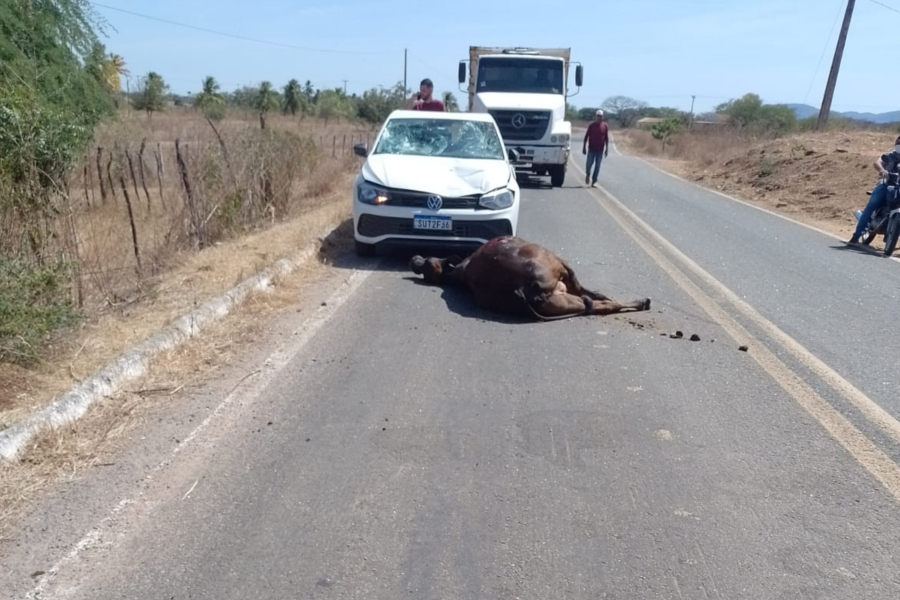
<point>511,275</point>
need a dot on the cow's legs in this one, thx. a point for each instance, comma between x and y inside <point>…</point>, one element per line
<point>569,305</point>
<point>576,288</point>
<point>610,307</point>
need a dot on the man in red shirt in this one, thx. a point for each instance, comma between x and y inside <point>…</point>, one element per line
<point>596,146</point>
<point>424,99</point>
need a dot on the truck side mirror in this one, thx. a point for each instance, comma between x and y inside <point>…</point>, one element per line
<point>579,75</point>
<point>361,150</point>
<point>462,72</point>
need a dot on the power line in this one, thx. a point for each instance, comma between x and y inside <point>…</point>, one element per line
<point>235,36</point>
<point>885,6</point>
<point>824,50</point>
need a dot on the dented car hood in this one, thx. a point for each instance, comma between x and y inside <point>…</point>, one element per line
<point>451,177</point>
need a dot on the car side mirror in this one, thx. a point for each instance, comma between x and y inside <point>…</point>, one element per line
<point>579,75</point>
<point>361,149</point>
<point>513,154</point>
<point>462,72</point>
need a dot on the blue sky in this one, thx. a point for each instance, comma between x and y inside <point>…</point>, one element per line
<point>660,51</point>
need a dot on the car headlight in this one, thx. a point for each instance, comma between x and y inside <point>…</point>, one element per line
<point>370,194</point>
<point>497,200</point>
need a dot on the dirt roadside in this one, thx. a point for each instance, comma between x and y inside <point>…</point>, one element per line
<point>816,178</point>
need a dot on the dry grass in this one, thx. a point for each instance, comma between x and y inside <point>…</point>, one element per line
<point>816,178</point>
<point>197,277</point>
<point>120,306</point>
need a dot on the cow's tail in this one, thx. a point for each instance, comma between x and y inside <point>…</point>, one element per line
<point>588,308</point>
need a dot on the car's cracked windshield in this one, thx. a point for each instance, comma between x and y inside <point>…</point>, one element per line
<point>441,137</point>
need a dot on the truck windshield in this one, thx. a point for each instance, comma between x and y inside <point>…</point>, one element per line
<point>440,137</point>
<point>517,74</point>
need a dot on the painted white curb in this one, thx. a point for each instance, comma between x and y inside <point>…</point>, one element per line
<point>73,404</point>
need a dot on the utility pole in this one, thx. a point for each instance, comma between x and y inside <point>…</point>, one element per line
<point>404,74</point>
<point>825,110</point>
<point>691,121</point>
<point>345,86</point>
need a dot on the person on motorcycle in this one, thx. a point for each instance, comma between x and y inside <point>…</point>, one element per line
<point>886,163</point>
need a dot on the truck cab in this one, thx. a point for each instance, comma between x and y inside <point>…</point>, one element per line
<point>525,91</point>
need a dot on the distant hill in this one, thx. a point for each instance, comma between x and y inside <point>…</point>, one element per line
<point>804,111</point>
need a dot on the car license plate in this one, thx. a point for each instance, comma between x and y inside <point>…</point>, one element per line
<point>438,222</point>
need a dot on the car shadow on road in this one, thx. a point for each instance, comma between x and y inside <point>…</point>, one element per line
<point>338,251</point>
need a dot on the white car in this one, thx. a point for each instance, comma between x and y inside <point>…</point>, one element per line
<point>435,179</point>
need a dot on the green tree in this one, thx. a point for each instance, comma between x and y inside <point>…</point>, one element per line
<point>294,100</point>
<point>450,102</point>
<point>210,100</point>
<point>664,130</point>
<point>152,94</point>
<point>623,109</point>
<point>266,100</point>
<point>375,104</point>
<point>743,111</point>
<point>309,92</point>
<point>332,104</point>
<point>749,111</point>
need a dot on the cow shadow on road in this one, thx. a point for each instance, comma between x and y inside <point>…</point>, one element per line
<point>460,302</point>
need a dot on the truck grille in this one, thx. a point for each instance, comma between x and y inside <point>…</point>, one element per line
<point>522,125</point>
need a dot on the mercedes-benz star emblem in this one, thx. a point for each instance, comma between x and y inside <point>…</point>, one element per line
<point>518,120</point>
<point>434,202</point>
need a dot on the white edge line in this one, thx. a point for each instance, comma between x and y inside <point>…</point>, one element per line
<point>273,365</point>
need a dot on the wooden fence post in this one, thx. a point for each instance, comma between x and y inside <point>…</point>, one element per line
<point>109,178</point>
<point>143,178</point>
<point>100,174</point>
<point>333,146</point>
<point>196,238</point>
<point>134,239</point>
<point>159,174</point>
<point>87,198</point>
<point>137,194</point>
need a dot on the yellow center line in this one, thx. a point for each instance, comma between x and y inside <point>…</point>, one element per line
<point>866,452</point>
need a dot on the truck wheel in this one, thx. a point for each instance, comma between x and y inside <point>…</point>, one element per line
<point>558,175</point>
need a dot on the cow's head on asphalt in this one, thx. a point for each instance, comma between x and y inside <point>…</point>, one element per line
<point>434,270</point>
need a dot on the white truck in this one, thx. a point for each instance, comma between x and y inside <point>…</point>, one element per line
<point>525,90</point>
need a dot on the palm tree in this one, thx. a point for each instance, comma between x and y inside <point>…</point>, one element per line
<point>450,102</point>
<point>210,97</point>
<point>266,100</point>
<point>293,97</point>
<point>113,69</point>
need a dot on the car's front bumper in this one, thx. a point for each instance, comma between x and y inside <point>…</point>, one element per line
<point>390,225</point>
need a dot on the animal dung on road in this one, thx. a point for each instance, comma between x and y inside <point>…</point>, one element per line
<point>677,335</point>
<point>744,348</point>
<point>695,338</point>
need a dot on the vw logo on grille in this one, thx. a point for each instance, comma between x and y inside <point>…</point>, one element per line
<point>434,202</point>
<point>518,121</point>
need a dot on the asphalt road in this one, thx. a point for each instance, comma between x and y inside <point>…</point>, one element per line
<point>420,448</point>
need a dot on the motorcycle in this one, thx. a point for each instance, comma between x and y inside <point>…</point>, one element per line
<point>886,219</point>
